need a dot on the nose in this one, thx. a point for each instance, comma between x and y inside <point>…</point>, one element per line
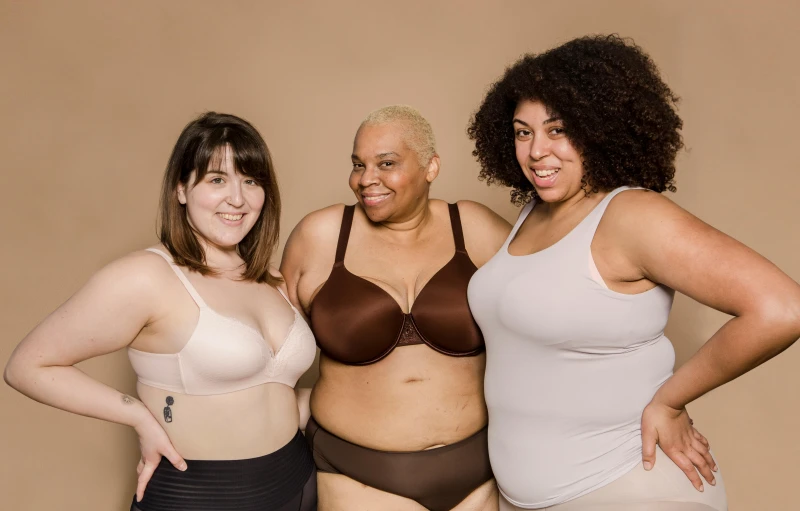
<point>235,194</point>
<point>540,147</point>
<point>369,176</point>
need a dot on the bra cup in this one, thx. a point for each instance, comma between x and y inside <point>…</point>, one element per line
<point>206,359</point>
<point>441,309</point>
<point>355,322</point>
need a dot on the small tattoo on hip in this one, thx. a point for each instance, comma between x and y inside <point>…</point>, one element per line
<point>168,410</point>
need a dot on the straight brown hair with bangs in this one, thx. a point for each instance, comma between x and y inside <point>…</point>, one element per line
<point>201,143</point>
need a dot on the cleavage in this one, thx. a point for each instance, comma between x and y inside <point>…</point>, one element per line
<point>391,292</point>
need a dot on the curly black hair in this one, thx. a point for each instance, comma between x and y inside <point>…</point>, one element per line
<point>616,110</point>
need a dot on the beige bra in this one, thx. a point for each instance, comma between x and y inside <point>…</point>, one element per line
<point>225,355</point>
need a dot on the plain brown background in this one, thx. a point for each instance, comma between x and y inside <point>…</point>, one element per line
<point>93,94</point>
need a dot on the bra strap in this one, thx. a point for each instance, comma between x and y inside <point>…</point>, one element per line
<point>455,223</point>
<point>185,281</point>
<point>344,234</point>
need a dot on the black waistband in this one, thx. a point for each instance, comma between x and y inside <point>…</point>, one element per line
<point>253,484</point>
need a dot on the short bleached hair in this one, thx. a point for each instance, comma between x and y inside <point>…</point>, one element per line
<point>417,131</point>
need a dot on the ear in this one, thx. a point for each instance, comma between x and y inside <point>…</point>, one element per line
<point>181,190</point>
<point>433,169</point>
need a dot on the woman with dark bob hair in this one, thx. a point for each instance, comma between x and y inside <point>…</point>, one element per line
<point>584,410</point>
<point>215,344</point>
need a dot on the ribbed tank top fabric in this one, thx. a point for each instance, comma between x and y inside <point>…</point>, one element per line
<point>570,367</point>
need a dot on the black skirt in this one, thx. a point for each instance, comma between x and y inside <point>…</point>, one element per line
<point>284,480</point>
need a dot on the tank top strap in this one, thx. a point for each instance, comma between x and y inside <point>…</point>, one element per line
<point>458,231</point>
<point>592,221</point>
<point>344,234</point>
<point>185,281</point>
<point>523,214</point>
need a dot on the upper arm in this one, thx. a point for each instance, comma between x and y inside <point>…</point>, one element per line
<point>670,246</point>
<point>105,315</point>
<point>484,231</point>
<point>309,253</point>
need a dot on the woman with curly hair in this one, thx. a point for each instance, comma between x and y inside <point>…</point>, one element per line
<point>584,410</point>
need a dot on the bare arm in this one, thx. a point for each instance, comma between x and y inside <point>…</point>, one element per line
<point>102,317</point>
<point>674,248</point>
<point>667,245</point>
<point>484,231</point>
<point>309,254</point>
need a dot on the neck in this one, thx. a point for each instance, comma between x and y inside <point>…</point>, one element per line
<point>409,224</point>
<point>220,258</point>
<point>564,207</point>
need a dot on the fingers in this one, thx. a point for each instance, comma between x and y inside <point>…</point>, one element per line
<point>685,464</point>
<point>699,456</point>
<point>707,454</point>
<point>649,439</point>
<point>144,477</point>
<point>177,461</point>
<point>139,467</point>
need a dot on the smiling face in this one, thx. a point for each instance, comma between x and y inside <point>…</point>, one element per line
<point>224,204</point>
<point>545,154</point>
<point>388,179</point>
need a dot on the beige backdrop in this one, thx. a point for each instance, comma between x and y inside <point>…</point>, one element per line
<point>94,93</point>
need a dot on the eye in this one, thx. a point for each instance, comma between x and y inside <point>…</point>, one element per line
<point>216,180</point>
<point>357,166</point>
<point>557,130</point>
<point>251,182</point>
<point>523,134</point>
<point>386,164</point>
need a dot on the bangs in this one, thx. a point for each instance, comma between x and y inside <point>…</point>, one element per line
<point>250,155</point>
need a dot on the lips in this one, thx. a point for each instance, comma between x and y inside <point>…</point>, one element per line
<point>544,177</point>
<point>374,199</point>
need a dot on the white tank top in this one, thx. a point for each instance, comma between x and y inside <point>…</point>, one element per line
<point>570,366</point>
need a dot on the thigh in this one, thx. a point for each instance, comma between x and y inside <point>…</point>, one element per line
<point>483,498</point>
<point>340,493</point>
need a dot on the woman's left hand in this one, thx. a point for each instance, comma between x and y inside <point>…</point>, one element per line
<point>672,430</point>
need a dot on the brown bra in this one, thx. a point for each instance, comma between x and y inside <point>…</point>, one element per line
<point>356,322</point>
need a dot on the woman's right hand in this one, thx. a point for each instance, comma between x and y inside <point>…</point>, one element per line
<point>154,443</point>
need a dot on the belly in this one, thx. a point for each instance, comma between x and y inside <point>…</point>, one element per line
<point>414,399</point>
<point>236,425</point>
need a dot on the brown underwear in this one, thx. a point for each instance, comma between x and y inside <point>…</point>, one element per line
<point>436,478</point>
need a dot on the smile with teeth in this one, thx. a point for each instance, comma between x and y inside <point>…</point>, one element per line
<point>233,218</point>
<point>371,200</point>
<point>545,173</point>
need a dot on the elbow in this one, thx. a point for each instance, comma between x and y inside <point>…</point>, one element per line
<point>11,376</point>
<point>783,318</point>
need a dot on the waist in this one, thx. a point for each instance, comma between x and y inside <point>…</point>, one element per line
<point>237,425</point>
<point>543,466</point>
<point>405,406</point>
<point>263,482</point>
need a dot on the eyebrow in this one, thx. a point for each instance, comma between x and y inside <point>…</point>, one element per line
<point>217,171</point>
<point>546,121</point>
<point>380,155</point>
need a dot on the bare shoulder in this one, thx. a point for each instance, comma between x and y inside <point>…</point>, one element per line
<point>141,272</point>
<point>312,243</point>
<point>484,230</point>
<point>319,226</point>
<point>480,217</point>
<point>641,201</point>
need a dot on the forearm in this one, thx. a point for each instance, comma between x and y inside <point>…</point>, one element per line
<point>303,395</point>
<point>68,388</point>
<point>742,344</point>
